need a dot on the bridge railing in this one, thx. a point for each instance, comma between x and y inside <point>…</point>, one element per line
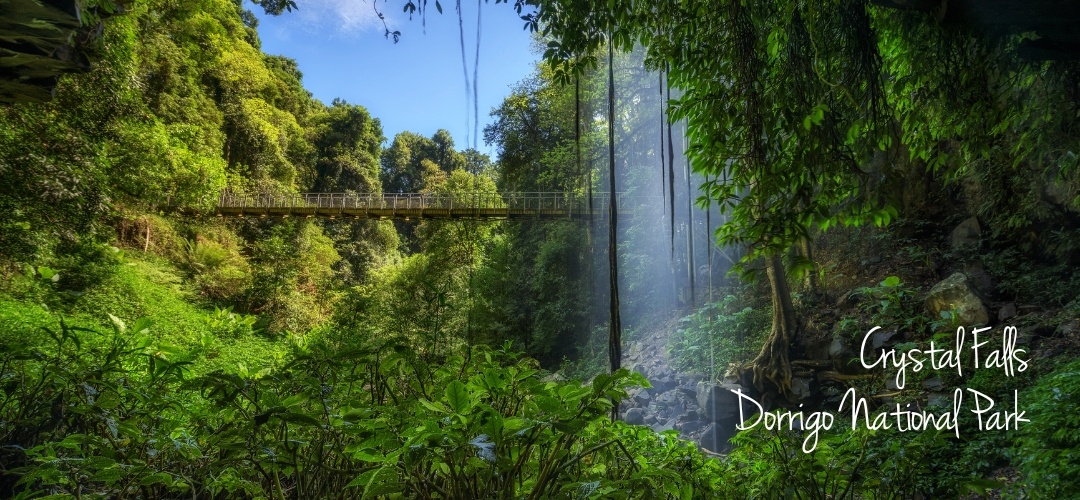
<point>511,202</point>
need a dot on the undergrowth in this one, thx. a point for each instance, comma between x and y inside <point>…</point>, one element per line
<point>112,414</point>
<point>717,334</point>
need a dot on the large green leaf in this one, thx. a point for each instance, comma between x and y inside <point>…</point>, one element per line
<point>457,397</point>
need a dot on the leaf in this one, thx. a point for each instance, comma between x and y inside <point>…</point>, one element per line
<point>300,418</point>
<point>380,481</point>
<point>142,325</point>
<point>853,133</point>
<point>46,272</point>
<point>891,281</point>
<point>295,399</point>
<point>434,406</point>
<point>108,476</point>
<point>457,396</point>
<point>157,478</point>
<point>438,7</point>
<point>370,455</point>
<point>118,324</point>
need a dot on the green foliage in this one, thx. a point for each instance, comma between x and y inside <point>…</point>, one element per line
<point>716,335</point>
<point>414,163</point>
<point>349,141</point>
<point>216,266</point>
<point>292,266</point>
<point>115,415</point>
<point>846,463</point>
<point>1025,279</point>
<point>590,358</point>
<point>1048,451</point>
<point>535,134</point>
<point>226,323</point>
<point>891,304</point>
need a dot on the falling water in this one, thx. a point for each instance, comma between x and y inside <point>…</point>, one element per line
<point>668,265</point>
<point>666,260</point>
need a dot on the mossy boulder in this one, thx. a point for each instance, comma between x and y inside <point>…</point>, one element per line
<point>955,294</point>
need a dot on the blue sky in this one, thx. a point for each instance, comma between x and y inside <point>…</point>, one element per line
<point>417,84</point>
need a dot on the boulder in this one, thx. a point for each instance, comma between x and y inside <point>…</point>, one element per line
<point>1007,311</point>
<point>688,423</point>
<point>689,390</point>
<point>954,293</point>
<point>714,437</point>
<point>718,401</point>
<point>640,397</point>
<point>966,234</point>
<point>710,438</point>
<point>850,299</point>
<point>663,383</point>
<point>933,384</point>
<point>692,377</point>
<point>978,278</point>
<point>882,338</point>
<point>1068,328</point>
<point>840,350</point>
<point>663,425</point>
<point>634,416</point>
<point>801,390</point>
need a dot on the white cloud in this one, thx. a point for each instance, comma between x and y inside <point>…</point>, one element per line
<point>346,17</point>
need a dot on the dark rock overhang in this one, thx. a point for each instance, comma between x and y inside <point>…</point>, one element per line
<point>1053,24</point>
<point>39,41</point>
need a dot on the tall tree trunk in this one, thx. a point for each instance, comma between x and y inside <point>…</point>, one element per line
<point>663,161</point>
<point>772,364</point>
<point>577,132</point>
<point>671,163</point>
<point>615,335</point>
<point>691,268</point>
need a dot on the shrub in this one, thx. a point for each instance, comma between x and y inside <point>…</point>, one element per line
<point>705,345</point>
<point>1048,451</point>
<point>217,268</point>
<point>112,415</point>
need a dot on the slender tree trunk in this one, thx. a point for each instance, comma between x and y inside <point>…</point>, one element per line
<point>691,270</point>
<point>772,363</point>
<point>146,244</point>
<point>671,166</point>
<point>615,336</point>
<point>577,129</point>
<point>807,251</point>
<point>663,163</point>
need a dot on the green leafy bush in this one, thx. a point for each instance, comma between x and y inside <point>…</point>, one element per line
<point>893,303</point>
<point>846,463</point>
<point>218,269</point>
<point>113,415</point>
<point>1048,451</point>
<point>705,345</point>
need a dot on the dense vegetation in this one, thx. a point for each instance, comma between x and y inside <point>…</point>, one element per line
<point>148,351</point>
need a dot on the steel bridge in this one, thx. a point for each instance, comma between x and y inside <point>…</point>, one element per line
<point>510,205</point>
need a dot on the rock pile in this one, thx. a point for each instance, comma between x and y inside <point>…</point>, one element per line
<point>700,409</point>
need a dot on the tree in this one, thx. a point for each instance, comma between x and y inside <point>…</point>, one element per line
<point>786,101</point>
<point>411,158</point>
<point>348,142</point>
